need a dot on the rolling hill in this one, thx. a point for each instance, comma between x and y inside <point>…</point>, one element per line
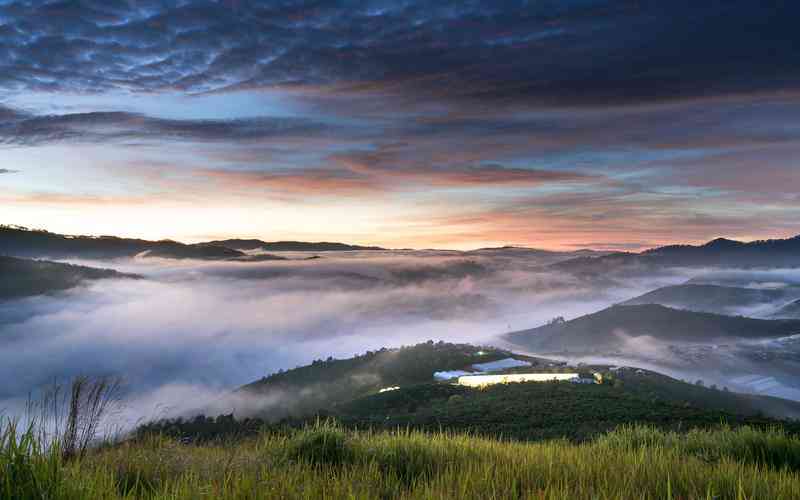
<point>714,298</point>
<point>325,383</point>
<point>393,388</point>
<point>23,277</point>
<point>612,328</point>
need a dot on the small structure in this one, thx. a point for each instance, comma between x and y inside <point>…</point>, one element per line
<point>596,378</point>
<point>449,374</point>
<point>500,364</point>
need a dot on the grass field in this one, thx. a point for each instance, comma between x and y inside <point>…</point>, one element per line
<point>327,461</point>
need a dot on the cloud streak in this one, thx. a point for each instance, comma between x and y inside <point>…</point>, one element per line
<point>30,130</point>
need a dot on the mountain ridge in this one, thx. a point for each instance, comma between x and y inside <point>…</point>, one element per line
<point>720,252</point>
<point>290,245</point>
<point>713,298</point>
<point>611,328</point>
<point>22,242</point>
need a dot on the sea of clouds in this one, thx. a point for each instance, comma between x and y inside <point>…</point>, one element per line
<point>191,330</point>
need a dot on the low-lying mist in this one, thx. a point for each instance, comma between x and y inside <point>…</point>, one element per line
<point>192,331</point>
<point>195,329</point>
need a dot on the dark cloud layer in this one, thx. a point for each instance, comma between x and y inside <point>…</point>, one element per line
<point>564,52</point>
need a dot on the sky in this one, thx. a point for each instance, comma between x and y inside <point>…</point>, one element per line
<point>404,123</point>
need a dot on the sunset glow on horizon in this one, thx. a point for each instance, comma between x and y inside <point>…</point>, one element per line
<point>401,124</point>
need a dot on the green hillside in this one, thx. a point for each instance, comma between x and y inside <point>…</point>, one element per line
<point>638,435</point>
<point>534,411</point>
<point>325,383</point>
<point>349,390</point>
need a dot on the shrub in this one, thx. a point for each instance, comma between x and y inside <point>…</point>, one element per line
<point>324,443</point>
<point>770,447</point>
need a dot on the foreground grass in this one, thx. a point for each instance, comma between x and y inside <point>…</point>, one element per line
<point>326,461</point>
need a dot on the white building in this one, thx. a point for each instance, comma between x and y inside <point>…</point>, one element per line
<point>484,380</point>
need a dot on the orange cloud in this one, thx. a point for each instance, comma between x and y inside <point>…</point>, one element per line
<point>365,173</point>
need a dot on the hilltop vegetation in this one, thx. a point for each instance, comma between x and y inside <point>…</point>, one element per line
<point>608,329</point>
<point>350,390</point>
<point>327,461</point>
<point>23,277</point>
<point>535,411</point>
<point>637,435</point>
<point>521,411</point>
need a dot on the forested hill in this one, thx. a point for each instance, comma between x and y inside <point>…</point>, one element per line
<point>24,277</point>
<point>350,391</point>
<point>325,383</point>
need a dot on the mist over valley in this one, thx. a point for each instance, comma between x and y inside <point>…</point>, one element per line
<point>181,331</point>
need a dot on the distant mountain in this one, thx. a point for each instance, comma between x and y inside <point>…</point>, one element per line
<point>289,246</point>
<point>791,311</point>
<point>21,242</point>
<point>611,329</point>
<point>535,255</point>
<point>23,277</point>
<point>721,253</point>
<point>714,298</point>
